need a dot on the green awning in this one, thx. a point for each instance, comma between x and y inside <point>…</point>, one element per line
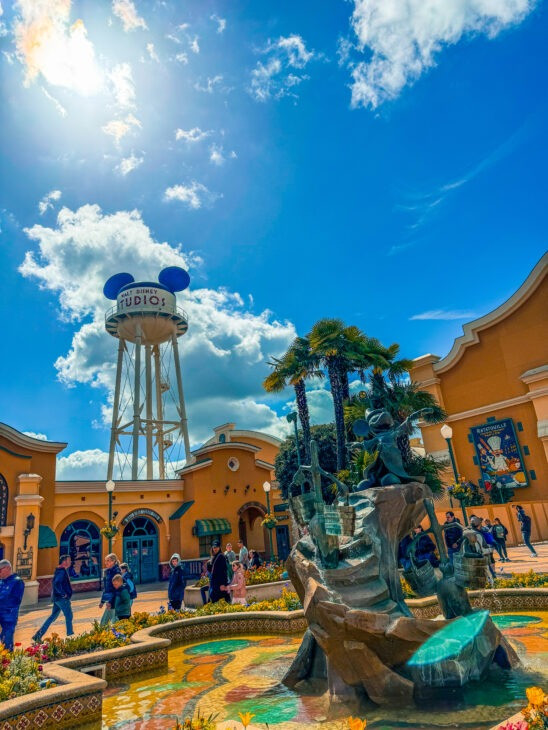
<point>212,527</point>
<point>180,511</point>
<point>46,537</point>
<point>283,507</point>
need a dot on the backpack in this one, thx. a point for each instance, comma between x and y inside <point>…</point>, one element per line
<point>130,585</point>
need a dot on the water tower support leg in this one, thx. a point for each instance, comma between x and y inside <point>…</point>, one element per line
<point>148,378</point>
<point>182,409</point>
<point>115,409</point>
<point>136,408</point>
<point>159,412</point>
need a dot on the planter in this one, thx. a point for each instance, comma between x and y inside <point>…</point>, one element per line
<point>261,592</point>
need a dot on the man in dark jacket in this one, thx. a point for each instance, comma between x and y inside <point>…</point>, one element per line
<point>452,533</point>
<point>61,594</point>
<point>525,524</point>
<point>219,574</point>
<point>112,568</point>
<point>12,588</point>
<point>177,583</point>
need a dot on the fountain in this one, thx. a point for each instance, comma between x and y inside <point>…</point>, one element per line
<point>362,640</point>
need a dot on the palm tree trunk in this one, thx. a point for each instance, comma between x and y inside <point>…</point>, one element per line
<point>333,372</point>
<point>304,416</point>
<point>345,385</point>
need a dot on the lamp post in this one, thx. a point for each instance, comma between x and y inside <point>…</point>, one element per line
<point>447,433</point>
<point>292,418</point>
<point>266,487</point>
<point>109,486</point>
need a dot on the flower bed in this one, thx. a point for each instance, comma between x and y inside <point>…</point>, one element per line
<point>516,580</point>
<point>264,574</point>
<point>532,717</point>
<point>20,674</point>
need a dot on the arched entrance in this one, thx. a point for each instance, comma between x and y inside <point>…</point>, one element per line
<point>250,530</point>
<point>141,549</point>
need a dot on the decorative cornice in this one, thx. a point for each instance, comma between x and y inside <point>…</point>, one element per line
<point>428,381</point>
<point>428,359</point>
<point>228,446</point>
<point>158,485</point>
<point>195,467</point>
<point>28,442</point>
<point>542,429</point>
<point>264,464</point>
<point>471,330</point>
<point>527,398</point>
<point>534,375</point>
<point>237,434</point>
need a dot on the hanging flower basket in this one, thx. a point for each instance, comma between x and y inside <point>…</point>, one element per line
<point>269,522</point>
<point>110,530</point>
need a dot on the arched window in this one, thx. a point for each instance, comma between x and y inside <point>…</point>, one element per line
<point>4,496</point>
<point>82,541</point>
<point>140,526</point>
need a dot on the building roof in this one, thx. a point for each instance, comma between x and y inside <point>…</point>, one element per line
<point>29,442</point>
<point>239,434</point>
<point>472,329</point>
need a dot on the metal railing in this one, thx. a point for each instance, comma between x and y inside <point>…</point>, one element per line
<point>115,312</point>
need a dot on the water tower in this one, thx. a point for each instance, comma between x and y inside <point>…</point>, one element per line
<point>149,406</point>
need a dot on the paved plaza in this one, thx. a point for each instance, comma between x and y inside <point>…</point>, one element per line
<point>153,595</point>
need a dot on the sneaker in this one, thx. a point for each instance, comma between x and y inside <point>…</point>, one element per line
<point>534,555</point>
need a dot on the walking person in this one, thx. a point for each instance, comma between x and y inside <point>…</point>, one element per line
<point>112,568</point>
<point>500,532</point>
<point>452,533</point>
<point>121,602</point>
<point>525,524</point>
<point>237,587</point>
<point>243,556</point>
<point>218,581</point>
<point>177,583</point>
<point>129,581</point>
<point>60,595</point>
<point>12,588</point>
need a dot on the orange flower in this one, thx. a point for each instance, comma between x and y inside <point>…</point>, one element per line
<point>536,696</point>
<point>354,723</point>
<point>245,717</point>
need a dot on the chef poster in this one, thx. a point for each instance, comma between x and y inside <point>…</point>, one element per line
<point>499,455</point>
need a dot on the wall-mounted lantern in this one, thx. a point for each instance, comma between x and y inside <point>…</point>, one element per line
<point>31,519</point>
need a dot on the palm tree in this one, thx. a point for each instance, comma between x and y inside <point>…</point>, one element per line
<point>297,364</point>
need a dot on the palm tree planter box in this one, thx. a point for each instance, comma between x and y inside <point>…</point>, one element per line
<point>259,592</point>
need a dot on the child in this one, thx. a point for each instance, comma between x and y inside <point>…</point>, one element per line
<point>129,581</point>
<point>121,600</point>
<point>237,587</point>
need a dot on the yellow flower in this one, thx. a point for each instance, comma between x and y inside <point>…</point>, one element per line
<point>535,695</point>
<point>354,723</point>
<point>245,717</point>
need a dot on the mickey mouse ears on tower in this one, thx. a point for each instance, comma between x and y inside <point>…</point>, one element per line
<point>173,278</point>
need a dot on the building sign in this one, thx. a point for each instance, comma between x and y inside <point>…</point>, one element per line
<point>148,298</point>
<point>142,512</point>
<point>499,455</point>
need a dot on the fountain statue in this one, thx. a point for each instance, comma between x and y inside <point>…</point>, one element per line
<point>362,638</point>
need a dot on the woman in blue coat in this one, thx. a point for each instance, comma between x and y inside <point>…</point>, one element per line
<point>177,583</point>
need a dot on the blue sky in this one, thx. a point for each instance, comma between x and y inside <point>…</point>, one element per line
<point>384,163</point>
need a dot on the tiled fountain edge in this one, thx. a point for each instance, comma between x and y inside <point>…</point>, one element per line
<point>78,697</point>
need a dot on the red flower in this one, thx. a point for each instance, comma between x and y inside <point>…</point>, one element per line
<point>40,667</point>
<point>18,643</point>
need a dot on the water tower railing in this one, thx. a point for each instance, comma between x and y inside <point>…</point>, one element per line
<point>114,311</point>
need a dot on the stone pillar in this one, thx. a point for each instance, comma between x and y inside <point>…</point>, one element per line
<point>25,560</point>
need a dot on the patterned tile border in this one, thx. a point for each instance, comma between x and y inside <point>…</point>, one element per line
<point>77,699</point>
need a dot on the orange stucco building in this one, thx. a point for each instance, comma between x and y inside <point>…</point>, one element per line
<point>494,386</point>
<point>220,495</point>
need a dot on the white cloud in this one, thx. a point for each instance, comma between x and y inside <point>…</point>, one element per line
<point>211,84</point>
<point>221,22</point>
<point>444,314</point>
<point>278,76</point>
<point>182,58</point>
<point>123,87</point>
<point>195,195</point>
<point>152,52</point>
<point>118,128</point>
<point>216,155</point>
<point>191,135</point>
<point>47,201</point>
<point>126,11</point>
<point>224,353</point>
<point>128,164</point>
<point>401,40</point>
<point>194,45</point>
<point>48,45</point>
<point>39,436</point>
<point>60,108</point>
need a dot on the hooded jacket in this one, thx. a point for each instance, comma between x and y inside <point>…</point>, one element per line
<point>177,582</point>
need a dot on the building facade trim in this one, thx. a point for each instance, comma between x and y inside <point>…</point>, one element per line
<point>497,406</point>
<point>472,329</point>
<point>28,442</point>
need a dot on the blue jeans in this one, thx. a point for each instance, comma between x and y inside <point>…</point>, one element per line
<point>6,634</point>
<point>59,605</point>
<point>450,552</point>
<point>527,540</point>
<point>108,617</point>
